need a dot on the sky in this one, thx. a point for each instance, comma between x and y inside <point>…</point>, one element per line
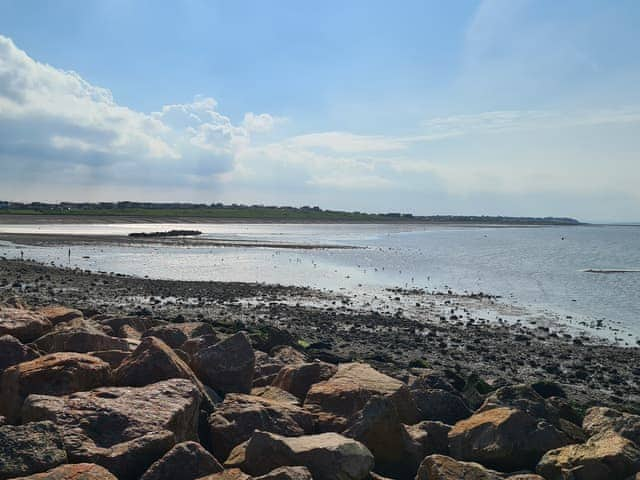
<point>493,107</point>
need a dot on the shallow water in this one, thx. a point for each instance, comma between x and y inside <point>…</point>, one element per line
<point>539,267</point>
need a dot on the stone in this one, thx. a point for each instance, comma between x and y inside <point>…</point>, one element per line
<point>276,394</point>
<point>525,476</point>
<point>128,327</point>
<point>171,334</point>
<point>522,397</point>
<point>424,439</point>
<point>266,369</point>
<point>603,457</point>
<point>31,448</point>
<point>299,377</point>
<point>440,405</point>
<point>113,357</point>
<point>58,314</point>
<point>287,354</point>
<point>328,456</point>
<point>194,345</point>
<point>76,471</point>
<point>287,473</point>
<point>185,461</point>
<point>336,400</point>
<point>54,374</point>
<point>267,337</point>
<point>235,420</point>
<point>504,438</point>
<point>441,467</point>
<point>13,351</point>
<point>79,339</point>
<point>227,366</point>
<point>601,419</point>
<point>24,325</point>
<point>231,474</point>
<point>124,429</point>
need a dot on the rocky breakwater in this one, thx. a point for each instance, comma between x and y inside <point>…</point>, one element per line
<point>135,397</point>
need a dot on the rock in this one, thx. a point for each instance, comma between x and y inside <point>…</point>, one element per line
<point>58,314</point>
<point>228,365</point>
<point>266,337</point>
<point>423,439</point>
<point>276,394</point>
<point>54,374</point>
<point>185,461</point>
<point>13,351</point>
<point>440,467</point>
<point>504,438</point>
<point>235,420</point>
<point>440,405</point>
<point>298,378</point>
<point>287,354</point>
<point>31,448</point>
<point>128,327</point>
<point>154,361</point>
<point>79,339</point>
<point>113,357</point>
<point>24,325</point>
<point>231,474</point>
<point>521,397</point>
<point>336,400</point>
<point>601,419</point>
<point>603,457</point>
<point>266,369</point>
<point>194,345</point>
<point>525,476</point>
<point>124,429</point>
<point>170,334</point>
<point>76,471</point>
<point>328,456</point>
<point>287,473</point>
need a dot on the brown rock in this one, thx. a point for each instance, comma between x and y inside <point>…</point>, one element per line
<point>79,339</point>
<point>231,474</point>
<point>171,334</point>
<point>185,461</point>
<point>298,378</point>
<point>336,400</point>
<point>423,439</point>
<point>13,351</point>
<point>603,457</point>
<point>600,419</point>
<point>30,448</point>
<point>235,420</point>
<point>227,366</point>
<point>504,438</point>
<point>328,456</point>
<point>287,473</point>
<point>55,374</point>
<point>76,471</point>
<point>24,325</point>
<point>276,394</point>
<point>194,345</point>
<point>128,327</point>
<point>113,357</point>
<point>124,429</point>
<point>440,405</point>
<point>266,369</point>
<point>440,467</point>
<point>58,314</point>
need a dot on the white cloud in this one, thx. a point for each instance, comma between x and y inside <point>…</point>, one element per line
<point>260,123</point>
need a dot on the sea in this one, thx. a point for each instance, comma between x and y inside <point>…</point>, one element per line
<point>587,272</point>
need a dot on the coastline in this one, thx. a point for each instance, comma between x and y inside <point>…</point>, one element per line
<point>333,326</point>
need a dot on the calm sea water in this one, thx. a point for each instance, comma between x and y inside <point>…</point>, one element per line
<point>538,267</point>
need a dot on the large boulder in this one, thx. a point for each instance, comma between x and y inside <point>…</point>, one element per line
<point>601,419</point>
<point>185,461</point>
<point>227,366</point>
<point>440,405</point>
<point>603,457</point>
<point>13,351</point>
<point>441,467</point>
<point>124,429</point>
<point>423,439</point>
<point>287,473</point>
<point>194,345</point>
<point>79,339</point>
<point>328,456</point>
<point>235,420</point>
<point>25,325</point>
<point>275,394</point>
<point>58,314</point>
<point>54,374</point>
<point>113,357</point>
<point>75,471</point>
<point>31,448</point>
<point>523,397</point>
<point>336,400</point>
<point>128,327</point>
<point>298,378</point>
<point>504,438</point>
<point>176,334</point>
<point>231,474</point>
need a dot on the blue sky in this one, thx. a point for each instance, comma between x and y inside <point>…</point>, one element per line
<point>507,107</point>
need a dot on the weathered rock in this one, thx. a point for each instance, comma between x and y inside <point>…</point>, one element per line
<point>299,377</point>
<point>276,394</point>
<point>194,345</point>
<point>287,473</point>
<point>154,361</point>
<point>76,471</point>
<point>525,476</point>
<point>235,420</point>
<point>226,366</point>
<point>124,429</point>
<point>59,314</point>
<point>504,438</point>
<point>328,456</point>
<point>267,337</point>
<point>24,325</point>
<point>440,405</point>
<point>336,400</point>
<point>13,351</point>
<point>440,467</point>
<point>231,474</point>
<point>266,369</point>
<point>601,419</point>
<point>113,357</point>
<point>128,327</point>
<point>31,448</point>
<point>521,397</point>
<point>171,334</point>
<point>287,354</point>
<point>185,461</point>
<point>423,439</point>
<point>54,374</point>
<point>603,457</point>
<point>79,339</point>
